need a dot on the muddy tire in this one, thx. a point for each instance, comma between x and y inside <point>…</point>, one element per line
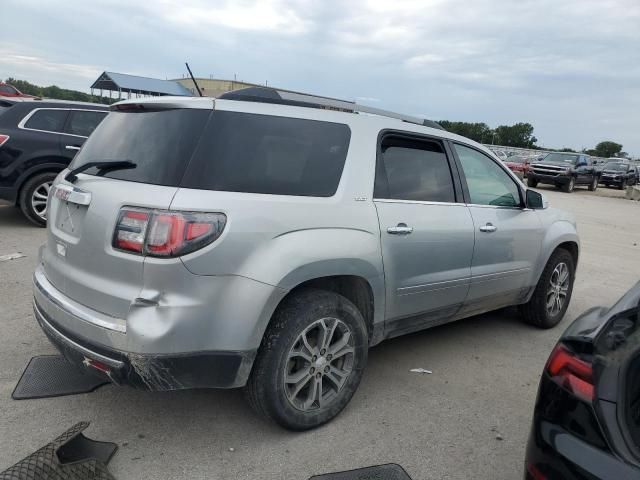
<point>552,295</point>
<point>33,197</point>
<point>310,362</point>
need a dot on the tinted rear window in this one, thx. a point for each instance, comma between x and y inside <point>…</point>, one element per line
<point>242,152</point>
<point>83,122</point>
<point>49,120</point>
<point>160,143</point>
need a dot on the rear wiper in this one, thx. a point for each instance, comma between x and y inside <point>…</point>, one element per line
<point>104,165</point>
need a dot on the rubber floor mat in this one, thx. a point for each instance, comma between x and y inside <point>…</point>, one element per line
<point>52,376</point>
<point>390,471</point>
<point>71,456</point>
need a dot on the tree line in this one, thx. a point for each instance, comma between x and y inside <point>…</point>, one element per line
<point>517,135</point>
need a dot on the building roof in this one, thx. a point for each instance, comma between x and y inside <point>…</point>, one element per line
<point>144,85</point>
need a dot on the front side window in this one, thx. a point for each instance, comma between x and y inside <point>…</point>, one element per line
<point>410,169</point>
<point>48,120</point>
<point>83,122</point>
<point>488,184</point>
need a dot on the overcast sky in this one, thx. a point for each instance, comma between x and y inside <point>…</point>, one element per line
<point>569,67</point>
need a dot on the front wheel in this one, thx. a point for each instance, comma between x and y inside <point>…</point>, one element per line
<point>594,184</point>
<point>569,186</point>
<point>310,362</point>
<point>33,197</point>
<point>552,295</point>
<point>623,185</point>
<point>532,182</point>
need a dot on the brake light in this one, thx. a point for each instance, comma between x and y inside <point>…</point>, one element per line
<point>3,139</point>
<point>162,233</point>
<point>571,372</point>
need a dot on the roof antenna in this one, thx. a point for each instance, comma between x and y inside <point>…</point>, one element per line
<point>194,80</point>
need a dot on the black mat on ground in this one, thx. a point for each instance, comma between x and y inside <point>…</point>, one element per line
<point>71,456</point>
<point>52,376</point>
<point>390,471</point>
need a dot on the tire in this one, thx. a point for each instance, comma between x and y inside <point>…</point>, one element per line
<point>532,183</point>
<point>569,186</point>
<point>623,185</point>
<point>32,195</point>
<point>594,184</point>
<point>283,353</point>
<point>536,311</point>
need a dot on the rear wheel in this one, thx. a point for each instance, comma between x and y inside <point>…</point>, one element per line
<point>310,362</point>
<point>33,197</point>
<point>552,295</point>
<point>569,186</point>
<point>594,184</point>
<point>532,183</point>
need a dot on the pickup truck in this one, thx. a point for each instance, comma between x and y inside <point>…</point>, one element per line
<point>564,170</point>
<point>619,173</point>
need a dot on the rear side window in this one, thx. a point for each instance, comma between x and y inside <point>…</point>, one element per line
<point>84,122</point>
<point>242,152</point>
<point>160,143</point>
<point>416,170</point>
<point>48,120</point>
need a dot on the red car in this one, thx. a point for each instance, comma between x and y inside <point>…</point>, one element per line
<point>518,165</point>
<point>7,90</point>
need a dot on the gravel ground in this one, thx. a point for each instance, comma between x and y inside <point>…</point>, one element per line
<point>439,426</point>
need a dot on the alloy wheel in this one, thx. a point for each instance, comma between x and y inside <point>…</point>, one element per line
<point>319,364</point>
<point>558,289</point>
<point>39,199</point>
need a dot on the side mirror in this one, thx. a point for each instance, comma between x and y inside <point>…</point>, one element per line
<point>535,200</point>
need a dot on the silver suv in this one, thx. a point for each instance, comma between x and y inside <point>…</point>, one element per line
<point>267,243</point>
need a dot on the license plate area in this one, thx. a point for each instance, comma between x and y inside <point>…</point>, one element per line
<point>70,218</point>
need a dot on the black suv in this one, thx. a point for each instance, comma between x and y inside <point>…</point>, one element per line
<point>564,170</point>
<point>38,139</point>
<point>619,174</point>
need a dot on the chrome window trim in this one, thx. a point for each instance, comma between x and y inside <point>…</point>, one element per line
<point>418,202</point>
<point>23,122</point>
<point>501,207</point>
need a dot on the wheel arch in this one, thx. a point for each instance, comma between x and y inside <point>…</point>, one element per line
<point>49,164</point>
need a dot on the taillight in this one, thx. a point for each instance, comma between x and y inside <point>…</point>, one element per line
<point>571,372</point>
<point>162,233</point>
<point>4,139</point>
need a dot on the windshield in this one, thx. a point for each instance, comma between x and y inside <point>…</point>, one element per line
<point>517,159</point>
<point>618,167</point>
<point>561,158</point>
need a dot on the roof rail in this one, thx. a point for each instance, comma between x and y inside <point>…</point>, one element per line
<point>288,97</point>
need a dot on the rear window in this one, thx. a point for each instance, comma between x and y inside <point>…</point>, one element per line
<point>48,120</point>
<point>242,152</point>
<point>160,143</point>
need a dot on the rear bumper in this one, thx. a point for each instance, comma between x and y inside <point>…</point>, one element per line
<point>553,179</point>
<point>150,372</point>
<point>556,454</point>
<point>106,346</point>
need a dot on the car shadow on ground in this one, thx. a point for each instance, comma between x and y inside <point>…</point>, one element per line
<point>13,217</point>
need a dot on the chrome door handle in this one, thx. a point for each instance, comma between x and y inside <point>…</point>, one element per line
<point>401,229</point>
<point>488,228</point>
<point>72,147</point>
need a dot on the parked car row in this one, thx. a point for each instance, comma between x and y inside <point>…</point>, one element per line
<point>38,139</point>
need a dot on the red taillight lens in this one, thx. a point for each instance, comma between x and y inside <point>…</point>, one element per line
<point>4,139</point>
<point>571,372</point>
<point>165,233</point>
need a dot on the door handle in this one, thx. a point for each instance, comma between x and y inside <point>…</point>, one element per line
<point>401,229</point>
<point>488,228</point>
<point>72,147</point>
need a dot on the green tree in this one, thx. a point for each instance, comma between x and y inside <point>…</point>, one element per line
<point>480,132</point>
<point>608,149</point>
<point>518,135</point>
<point>56,92</point>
